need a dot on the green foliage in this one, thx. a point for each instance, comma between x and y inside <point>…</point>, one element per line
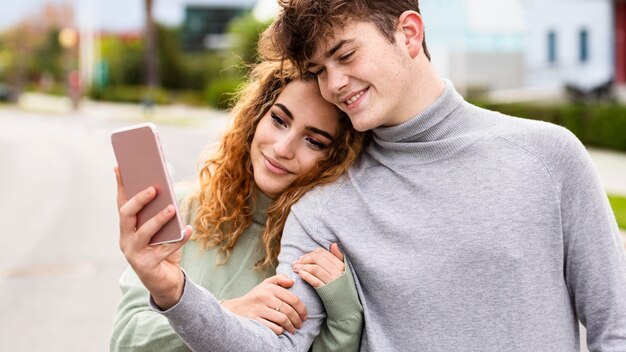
<point>219,93</point>
<point>245,31</point>
<point>125,59</point>
<point>619,208</point>
<point>130,94</point>
<point>595,124</point>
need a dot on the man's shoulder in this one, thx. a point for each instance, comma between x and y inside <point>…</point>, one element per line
<point>542,139</point>
<point>315,200</point>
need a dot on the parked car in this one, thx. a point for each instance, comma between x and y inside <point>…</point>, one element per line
<point>7,93</point>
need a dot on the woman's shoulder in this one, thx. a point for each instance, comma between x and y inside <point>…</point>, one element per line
<point>187,199</point>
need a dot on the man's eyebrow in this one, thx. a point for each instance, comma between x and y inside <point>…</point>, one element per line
<point>337,46</point>
<point>309,128</point>
<point>331,51</point>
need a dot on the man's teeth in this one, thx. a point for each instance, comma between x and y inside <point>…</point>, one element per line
<point>354,98</point>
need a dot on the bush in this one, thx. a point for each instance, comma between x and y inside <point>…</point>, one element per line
<point>220,92</point>
<point>129,94</point>
<point>595,124</point>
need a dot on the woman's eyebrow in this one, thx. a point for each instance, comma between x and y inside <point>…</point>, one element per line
<point>308,128</point>
<point>285,110</point>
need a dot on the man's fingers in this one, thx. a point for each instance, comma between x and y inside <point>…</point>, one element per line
<point>121,194</point>
<point>154,224</point>
<point>137,202</point>
<point>167,249</point>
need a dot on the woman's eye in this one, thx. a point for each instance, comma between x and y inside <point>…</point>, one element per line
<point>315,144</point>
<point>277,120</point>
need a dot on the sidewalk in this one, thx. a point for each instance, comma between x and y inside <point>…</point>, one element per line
<point>179,115</point>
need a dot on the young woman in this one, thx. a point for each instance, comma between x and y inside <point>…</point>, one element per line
<point>285,139</point>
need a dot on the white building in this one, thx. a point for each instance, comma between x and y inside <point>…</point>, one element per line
<point>569,42</point>
<point>476,43</point>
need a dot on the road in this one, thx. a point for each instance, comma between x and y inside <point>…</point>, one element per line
<point>60,260</point>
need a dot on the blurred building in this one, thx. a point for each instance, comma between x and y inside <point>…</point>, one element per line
<point>205,24</point>
<point>619,7</point>
<point>478,43</point>
<point>570,43</point>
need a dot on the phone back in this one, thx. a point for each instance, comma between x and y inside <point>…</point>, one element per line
<point>142,164</point>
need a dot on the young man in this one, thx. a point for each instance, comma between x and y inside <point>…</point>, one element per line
<point>467,230</point>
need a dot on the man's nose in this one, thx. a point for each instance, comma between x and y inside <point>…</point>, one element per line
<point>337,81</point>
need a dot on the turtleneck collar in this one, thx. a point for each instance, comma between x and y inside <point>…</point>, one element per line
<point>438,132</point>
<point>262,202</point>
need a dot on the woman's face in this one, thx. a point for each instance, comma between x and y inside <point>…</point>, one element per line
<point>292,136</point>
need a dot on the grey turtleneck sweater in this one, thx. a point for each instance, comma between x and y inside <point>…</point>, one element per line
<point>467,230</point>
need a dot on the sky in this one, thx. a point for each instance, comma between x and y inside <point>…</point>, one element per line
<point>123,15</point>
<point>110,15</point>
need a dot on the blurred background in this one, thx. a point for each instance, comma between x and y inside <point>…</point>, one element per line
<point>73,71</point>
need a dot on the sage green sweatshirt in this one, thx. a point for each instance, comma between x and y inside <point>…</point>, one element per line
<point>138,328</point>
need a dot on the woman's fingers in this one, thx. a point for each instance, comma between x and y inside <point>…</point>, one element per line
<point>311,279</point>
<point>277,329</point>
<point>320,266</point>
<point>334,249</point>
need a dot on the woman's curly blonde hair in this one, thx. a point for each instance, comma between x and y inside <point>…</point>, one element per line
<point>225,197</point>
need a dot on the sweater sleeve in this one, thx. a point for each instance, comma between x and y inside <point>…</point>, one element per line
<point>595,269</point>
<point>205,325</point>
<point>138,328</point>
<point>341,331</point>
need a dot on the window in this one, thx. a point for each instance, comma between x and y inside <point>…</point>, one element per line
<point>552,47</point>
<point>583,39</point>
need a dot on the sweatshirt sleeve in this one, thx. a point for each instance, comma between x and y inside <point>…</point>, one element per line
<point>138,328</point>
<point>205,325</point>
<point>595,262</point>
<point>341,331</point>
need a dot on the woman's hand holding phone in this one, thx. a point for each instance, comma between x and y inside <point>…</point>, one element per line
<point>157,266</point>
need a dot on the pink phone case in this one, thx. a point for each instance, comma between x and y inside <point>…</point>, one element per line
<point>142,164</point>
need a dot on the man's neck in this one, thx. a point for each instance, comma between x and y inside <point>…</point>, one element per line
<point>427,89</point>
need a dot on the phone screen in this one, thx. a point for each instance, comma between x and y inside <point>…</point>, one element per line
<point>141,165</point>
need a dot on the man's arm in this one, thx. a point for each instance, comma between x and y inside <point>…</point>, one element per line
<point>204,324</point>
<point>595,260</point>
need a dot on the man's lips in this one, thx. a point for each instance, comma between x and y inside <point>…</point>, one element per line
<point>354,97</point>
<point>275,167</point>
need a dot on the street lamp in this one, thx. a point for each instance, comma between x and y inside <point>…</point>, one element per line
<point>68,39</point>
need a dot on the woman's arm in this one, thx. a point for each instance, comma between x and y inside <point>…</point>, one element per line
<point>330,274</point>
<point>136,326</point>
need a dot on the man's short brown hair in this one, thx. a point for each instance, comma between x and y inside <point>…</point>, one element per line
<point>303,24</point>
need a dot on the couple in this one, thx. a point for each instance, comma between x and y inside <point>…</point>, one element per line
<point>465,229</point>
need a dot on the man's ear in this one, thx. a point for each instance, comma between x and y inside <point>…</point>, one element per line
<point>410,24</point>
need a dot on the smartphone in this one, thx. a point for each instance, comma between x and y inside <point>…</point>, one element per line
<point>141,165</point>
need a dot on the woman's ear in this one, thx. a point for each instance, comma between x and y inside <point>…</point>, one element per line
<point>411,26</point>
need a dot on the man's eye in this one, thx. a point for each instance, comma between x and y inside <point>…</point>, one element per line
<point>318,71</point>
<point>346,56</point>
